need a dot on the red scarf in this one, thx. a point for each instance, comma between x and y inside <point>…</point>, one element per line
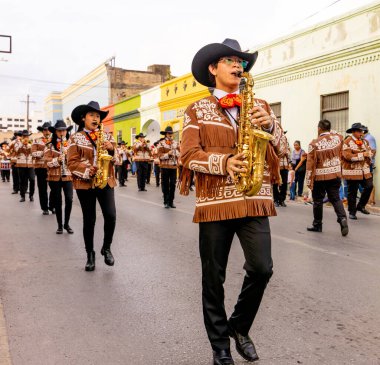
<point>93,135</point>
<point>230,101</point>
<point>59,145</point>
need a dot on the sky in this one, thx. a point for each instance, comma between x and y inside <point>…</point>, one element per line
<point>55,43</point>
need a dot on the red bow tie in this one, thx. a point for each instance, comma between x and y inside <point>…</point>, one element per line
<point>230,101</point>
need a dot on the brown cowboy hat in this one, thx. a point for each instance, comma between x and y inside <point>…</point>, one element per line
<point>81,110</point>
<point>212,53</point>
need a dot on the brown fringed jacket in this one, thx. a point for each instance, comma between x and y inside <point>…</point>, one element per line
<point>323,158</point>
<point>80,157</point>
<point>38,148</point>
<point>164,147</point>
<point>24,154</point>
<point>56,170</point>
<point>355,165</point>
<point>208,140</point>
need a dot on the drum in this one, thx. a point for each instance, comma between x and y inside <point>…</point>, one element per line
<point>5,165</point>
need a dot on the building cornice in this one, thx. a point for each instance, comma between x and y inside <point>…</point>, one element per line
<point>125,116</point>
<point>353,56</point>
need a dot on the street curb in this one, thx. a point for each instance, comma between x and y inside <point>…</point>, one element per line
<point>5,356</point>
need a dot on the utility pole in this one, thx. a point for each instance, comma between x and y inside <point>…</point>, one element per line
<point>28,101</point>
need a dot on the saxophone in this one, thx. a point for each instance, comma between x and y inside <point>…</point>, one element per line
<point>102,161</point>
<point>252,142</point>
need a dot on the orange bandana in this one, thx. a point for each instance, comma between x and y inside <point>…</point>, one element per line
<point>230,101</point>
<point>93,135</point>
<point>59,145</point>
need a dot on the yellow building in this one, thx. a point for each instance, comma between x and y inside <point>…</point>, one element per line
<point>176,95</point>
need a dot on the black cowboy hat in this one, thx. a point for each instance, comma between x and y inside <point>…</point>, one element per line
<point>140,135</point>
<point>213,52</point>
<point>365,129</point>
<point>4,142</point>
<point>44,126</point>
<point>122,142</point>
<point>17,133</point>
<point>355,127</point>
<point>25,133</point>
<point>168,129</point>
<point>80,111</point>
<point>60,125</point>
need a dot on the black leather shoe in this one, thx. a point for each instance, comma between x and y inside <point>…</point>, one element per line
<point>167,206</point>
<point>283,204</point>
<point>222,357</point>
<point>108,257</point>
<point>276,204</point>
<point>352,216</point>
<point>52,211</point>
<point>90,264</point>
<point>344,227</point>
<point>172,205</point>
<point>45,212</point>
<point>31,199</point>
<point>59,230</point>
<point>14,192</point>
<point>22,199</point>
<point>314,228</point>
<point>362,210</point>
<point>244,345</point>
<point>68,229</point>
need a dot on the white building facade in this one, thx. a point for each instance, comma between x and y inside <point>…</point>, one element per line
<point>150,113</point>
<point>330,71</point>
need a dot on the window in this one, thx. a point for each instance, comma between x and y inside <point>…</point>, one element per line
<point>15,120</point>
<point>334,107</point>
<point>276,107</point>
<point>133,134</point>
<point>119,136</point>
<point>21,120</point>
<point>9,119</point>
<point>16,125</point>
<point>39,121</point>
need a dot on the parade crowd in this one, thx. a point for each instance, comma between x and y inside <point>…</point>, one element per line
<point>89,161</point>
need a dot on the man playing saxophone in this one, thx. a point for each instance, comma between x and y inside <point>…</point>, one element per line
<point>209,139</point>
<point>92,184</point>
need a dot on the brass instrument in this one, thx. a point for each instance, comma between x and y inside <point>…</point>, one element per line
<point>252,142</point>
<point>102,161</point>
<point>63,154</point>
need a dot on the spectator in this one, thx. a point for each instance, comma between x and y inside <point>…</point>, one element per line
<point>299,166</point>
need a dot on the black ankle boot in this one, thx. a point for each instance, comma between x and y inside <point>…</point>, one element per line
<point>59,230</point>
<point>315,228</point>
<point>68,229</point>
<point>108,257</point>
<point>90,264</point>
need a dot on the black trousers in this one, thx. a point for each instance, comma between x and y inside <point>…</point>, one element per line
<point>149,173</point>
<point>353,186</point>
<point>15,178</point>
<point>157,172</point>
<point>121,173</point>
<point>299,179</point>
<point>56,188</point>
<point>42,185</point>
<point>26,174</point>
<point>331,188</point>
<point>279,191</point>
<point>5,175</point>
<point>142,171</point>
<point>169,177</point>
<point>215,239</point>
<point>106,199</point>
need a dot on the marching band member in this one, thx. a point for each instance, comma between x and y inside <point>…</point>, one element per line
<point>23,149</point>
<point>81,160</point>
<point>356,159</point>
<point>142,155</point>
<point>168,153</point>
<point>208,147</point>
<point>156,161</point>
<point>59,176</point>
<point>13,156</point>
<point>5,161</point>
<point>323,175</point>
<point>38,148</point>
<point>279,190</point>
<point>123,160</point>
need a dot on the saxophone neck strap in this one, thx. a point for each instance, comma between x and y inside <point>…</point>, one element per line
<point>91,140</point>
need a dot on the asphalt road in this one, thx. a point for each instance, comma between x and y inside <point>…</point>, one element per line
<point>322,305</point>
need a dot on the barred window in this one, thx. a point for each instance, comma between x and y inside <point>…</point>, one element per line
<point>119,136</point>
<point>276,107</point>
<point>334,107</point>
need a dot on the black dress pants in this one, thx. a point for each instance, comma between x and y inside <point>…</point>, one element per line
<point>279,191</point>
<point>5,175</point>
<point>26,174</point>
<point>15,178</point>
<point>157,171</point>
<point>215,239</point>
<point>331,188</point>
<point>42,185</point>
<point>353,186</point>
<point>299,179</point>
<point>106,199</point>
<point>121,174</point>
<point>142,172</point>
<point>169,177</point>
<point>149,172</point>
<point>56,188</point>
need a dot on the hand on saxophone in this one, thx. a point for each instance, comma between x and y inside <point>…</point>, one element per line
<point>236,164</point>
<point>108,145</point>
<point>260,117</point>
<point>93,170</point>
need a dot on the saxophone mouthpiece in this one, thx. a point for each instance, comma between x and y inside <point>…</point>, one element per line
<point>239,73</point>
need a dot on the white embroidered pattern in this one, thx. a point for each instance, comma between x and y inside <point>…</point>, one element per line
<point>186,120</point>
<point>328,143</point>
<point>215,163</point>
<point>208,109</point>
<point>328,170</point>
